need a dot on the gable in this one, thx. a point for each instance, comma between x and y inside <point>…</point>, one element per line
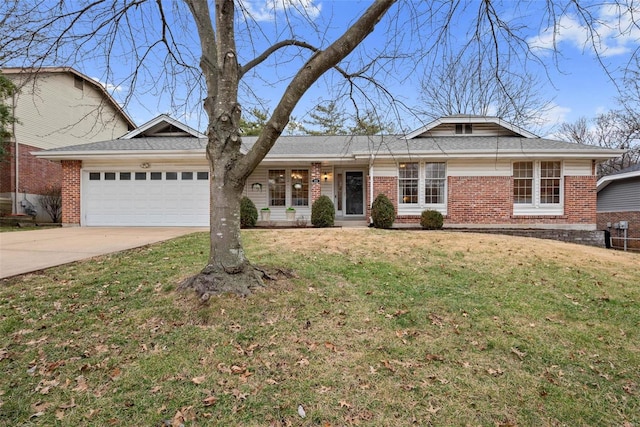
<point>468,126</point>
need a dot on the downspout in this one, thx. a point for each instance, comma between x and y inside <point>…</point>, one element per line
<point>16,156</point>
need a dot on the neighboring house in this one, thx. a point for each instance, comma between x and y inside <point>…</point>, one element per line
<point>619,201</point>
<point>55,107</point>
<point>479,172</point>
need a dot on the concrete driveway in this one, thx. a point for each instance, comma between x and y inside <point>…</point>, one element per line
<point>26,251</point>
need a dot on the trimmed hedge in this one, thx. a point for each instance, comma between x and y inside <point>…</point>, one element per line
<point>248,213</point>
<point>382,212</point>
<point>431,220</point>
<point>323,213</point>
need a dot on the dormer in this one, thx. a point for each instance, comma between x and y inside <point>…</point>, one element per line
<point>469,126</point>
<point>163,126</point>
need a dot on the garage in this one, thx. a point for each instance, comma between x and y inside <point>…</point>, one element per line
<point>145,198</point>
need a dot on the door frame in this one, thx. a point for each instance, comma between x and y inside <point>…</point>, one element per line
<point>343,182</point>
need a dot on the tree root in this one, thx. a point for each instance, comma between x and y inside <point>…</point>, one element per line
<point>216,281</point>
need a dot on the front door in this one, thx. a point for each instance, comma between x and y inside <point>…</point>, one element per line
<point>350,193</point>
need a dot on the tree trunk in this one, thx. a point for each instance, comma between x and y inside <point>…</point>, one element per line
<point>228,270</point>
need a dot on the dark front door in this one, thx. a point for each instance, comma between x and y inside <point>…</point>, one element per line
<point>354,193</point>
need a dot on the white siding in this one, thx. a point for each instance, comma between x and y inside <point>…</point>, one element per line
<point>479,168</point>
<point>53,113</point>
<point>577,167</point>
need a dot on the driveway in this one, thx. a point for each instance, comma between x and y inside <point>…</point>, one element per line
<point>26,251</point>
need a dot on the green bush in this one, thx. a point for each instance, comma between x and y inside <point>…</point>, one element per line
<point>323,213</point>
<point>431,220</point>
<point>382,212</point>
<point>248,213</point>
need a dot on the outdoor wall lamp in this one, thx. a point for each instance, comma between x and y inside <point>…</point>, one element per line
<point>326,177</point>
<point>256,186</point>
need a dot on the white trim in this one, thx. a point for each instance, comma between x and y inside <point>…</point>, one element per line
<point>417,208</point>
<point>536,208</point>
<point>157,120</point>
<point>606,180</point>
<point>470,120</point>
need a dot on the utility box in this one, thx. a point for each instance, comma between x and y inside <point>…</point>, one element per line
<point>623,225</point>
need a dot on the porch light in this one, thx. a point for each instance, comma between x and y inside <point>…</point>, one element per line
<point>256,186</point>
<point>326,177</point>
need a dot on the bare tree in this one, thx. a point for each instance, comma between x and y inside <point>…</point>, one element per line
<point>470,83</point>
<point>615,129</point>
<point>7,89</point>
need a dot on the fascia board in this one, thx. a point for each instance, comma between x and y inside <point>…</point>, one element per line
<point>501,154</point>
<point>83,155</point>
<point>606,180</point>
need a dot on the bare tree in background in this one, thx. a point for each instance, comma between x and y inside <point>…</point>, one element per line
<point>189,52</point>
<point>615,129</point>
<point>470,83</point>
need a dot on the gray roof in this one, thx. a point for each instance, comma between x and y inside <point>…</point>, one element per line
<point>344,146</point>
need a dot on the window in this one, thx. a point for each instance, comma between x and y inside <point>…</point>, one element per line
<point>187,176</point>
<point>465,128</point>
<point>430,191</point>
<point>523,182</point>
<point>78,82</point>
<point>537,183</point>
<point>299,187</point>
<point>277,187</point>
<point>202,176</point>
<point>408,182</point>
<point>94,176</point>
<point>171,176</point>
<point>125,176</point>
<point>289,187</point>
<point>141,176</point>
<point>550,182</point>
<point>110,176</point>
<point>435,176</point>
<point>156,176</point>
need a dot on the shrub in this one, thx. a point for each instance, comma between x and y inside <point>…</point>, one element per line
<point>382,212</point>
<point>51,202</point>
<point>248,213</point>
<point>431,220</point>
<point>323,213</point>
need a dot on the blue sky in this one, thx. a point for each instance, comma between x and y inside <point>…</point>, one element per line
<point>573,80</point>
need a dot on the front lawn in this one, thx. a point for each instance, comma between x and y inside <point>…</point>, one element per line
<point>363,327</point>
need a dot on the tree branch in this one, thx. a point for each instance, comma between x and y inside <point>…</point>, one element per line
<point>264,55</point>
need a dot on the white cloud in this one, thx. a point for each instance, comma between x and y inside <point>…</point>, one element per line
<point>268,10</point>
<point>613,32</point>
<point>552,117</point>
<point>108,86</point>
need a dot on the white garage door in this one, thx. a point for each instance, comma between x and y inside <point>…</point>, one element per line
<point>145,198</point>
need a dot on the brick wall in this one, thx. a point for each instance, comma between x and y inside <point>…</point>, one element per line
<point>35,174</point>
<point>633,217</point>
<point>71,177</point>
<point>580,198</point>
<point>316,187</point>
<point>387,185</point>
<point>479,200</point>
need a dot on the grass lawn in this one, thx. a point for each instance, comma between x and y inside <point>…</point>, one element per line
<point>363,327</point>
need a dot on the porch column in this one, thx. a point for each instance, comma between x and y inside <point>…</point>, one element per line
<point>316,183</point>
<point>71,176</point>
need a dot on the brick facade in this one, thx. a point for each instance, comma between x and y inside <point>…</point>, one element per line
<point>35,175</point>
<point>633,217</point>
<point>316,186</point>
<point>488,200</point>
<point>71,176</point>
<point>387,185</point>
<point>479,199</point>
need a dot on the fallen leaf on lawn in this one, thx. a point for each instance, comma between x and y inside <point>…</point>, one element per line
<point>81,384</point>
<point>330,346</point>
<point>324,389</point>
<point>208,401</point>
<point>521,354</point>
<point>115,374</point>
<point>198,380</point>
<point>495,372</point>
<point>238,394</point>
<point>388,365</point>
<point>345,404</point>
<point>92,413</point>
<point>433,358</point>
<point>59,414</point>
<point>238,369</point>
<point>303,362</point>
<point>432,410</point>
<point>69,405</point>
<point>155,389</point>
<point>161,409</point>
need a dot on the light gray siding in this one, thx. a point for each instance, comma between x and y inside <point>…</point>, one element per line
<point>621,195</point>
